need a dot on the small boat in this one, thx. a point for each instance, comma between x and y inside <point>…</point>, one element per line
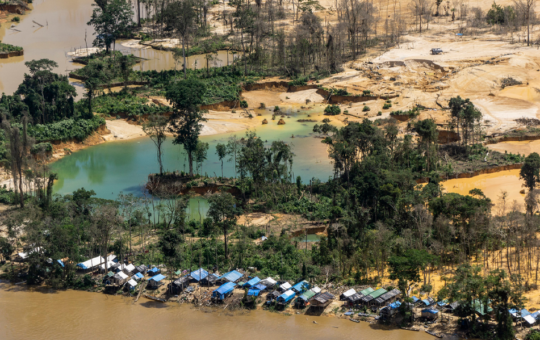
<point>154,298</point>
<point>353,320</point>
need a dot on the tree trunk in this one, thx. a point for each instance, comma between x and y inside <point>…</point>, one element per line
<point>184,56</point>
<point>190,160</point>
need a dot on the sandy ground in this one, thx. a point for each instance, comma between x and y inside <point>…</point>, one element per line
<point>524,147</point>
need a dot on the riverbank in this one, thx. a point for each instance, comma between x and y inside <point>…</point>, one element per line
<point>35,314</point>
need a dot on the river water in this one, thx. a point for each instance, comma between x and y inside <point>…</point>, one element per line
<point>64,30</point>
<point>47,314</point>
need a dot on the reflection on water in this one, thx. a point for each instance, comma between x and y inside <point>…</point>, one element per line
<point>47,314</point>
<point>113,167</point>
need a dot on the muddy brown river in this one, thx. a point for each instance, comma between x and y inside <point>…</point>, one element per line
<point>64,30</point>
<point>47,314</point>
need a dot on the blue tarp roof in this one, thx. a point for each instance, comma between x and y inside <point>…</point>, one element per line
<point>139,275</point>
<point>432,311</point>
<point>415,299</point>
<point>253,292</point>
<point>253,282</point>
<point>157,278</point>
<point>442,303</point>
<point>287,296</point>
<point>426,302</point>
<point>513,311</point>
<point>535,315</point>
<point>260,286</point>
<point>232,276</point>
<point>199,274</point>
<point>524,313</point>
<point>300,286</point>
<point>395,305</point>
<point>60,263</point>
<point>154,270</point>
<point>224,289</point>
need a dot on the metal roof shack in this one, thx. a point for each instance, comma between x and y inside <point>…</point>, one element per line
<point>346,294</point>
<point>286,297</point>
<point>354,299</point>
<point>269,282</point>
<point>251,283</point>
<point>231,276</point>
<point>155,281</point>
<point>303,300</point>
<point>322,300</point>
<point>210,280</point>
<point>368,299</point>
<point>367,291</point>
<point>138,276</point>
<point>300,287</point>
<point>178,285</point>
<point>273,295</point>
<point>223,291</point>
<point>285,287</point>
<point>198,274</point>
<point>120,278</point>
<point>430,314</point>
<point>141,269</point>
<point>132,284</point>
<point>387,297</point>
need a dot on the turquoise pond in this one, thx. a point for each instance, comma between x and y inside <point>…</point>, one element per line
<point>123,166</point>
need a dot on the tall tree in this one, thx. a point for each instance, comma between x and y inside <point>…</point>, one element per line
<point>181,16</point>
<point>186,97</point>
<point>224,212</point>
<point>155,128</point>
<point>111,19</point>
<point>221,151</point>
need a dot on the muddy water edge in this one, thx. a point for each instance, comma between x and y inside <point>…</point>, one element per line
<point>47,314</point>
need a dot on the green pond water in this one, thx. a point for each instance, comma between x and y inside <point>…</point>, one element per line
<point>123,166</point>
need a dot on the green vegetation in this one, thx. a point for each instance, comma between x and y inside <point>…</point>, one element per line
<point>68,129</point>
<point>126,103</point>
<point>9,48</point>
<point>366,108</point>
<point>414,112</point>
<point>332,110</point>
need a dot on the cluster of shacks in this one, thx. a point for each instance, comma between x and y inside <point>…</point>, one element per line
<point>370,297</point>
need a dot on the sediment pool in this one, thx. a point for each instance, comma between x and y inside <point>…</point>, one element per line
<point>45,314</point>
<point>124,165</point>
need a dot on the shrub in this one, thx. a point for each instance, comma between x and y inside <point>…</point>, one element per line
<point>342,92</point>
<point>379,113</point>
<point>41,147</point>
<point>366,93</point>
<point>262,106</point>
<point>386,106</point>
<point>277,109</point>
<point>66,129</point>
<point>366,108</point>
<point>15,19</point>
<point>332,110</point>
<point>243,104</point>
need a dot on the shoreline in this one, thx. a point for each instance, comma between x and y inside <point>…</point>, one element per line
<point>316,319</point>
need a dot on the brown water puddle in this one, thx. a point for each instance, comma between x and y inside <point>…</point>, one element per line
<point>46,314</point>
